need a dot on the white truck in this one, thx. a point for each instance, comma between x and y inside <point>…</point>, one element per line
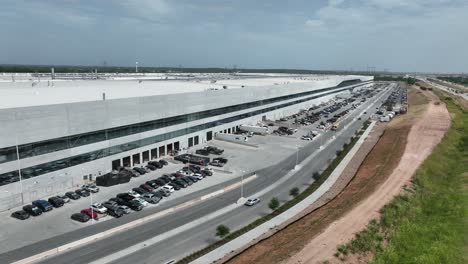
<point>231,137</point>
<point>254,129</point>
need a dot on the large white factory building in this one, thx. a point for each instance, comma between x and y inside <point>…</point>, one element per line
<point>56,134</point>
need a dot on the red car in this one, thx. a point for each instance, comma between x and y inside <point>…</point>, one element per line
<point>88,212</point>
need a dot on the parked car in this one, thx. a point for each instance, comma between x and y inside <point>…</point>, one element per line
<point>163,192</point>
<point>21,215</point>
<point>198,176</point>
<point>134,205</point>
<point>150,198</point>
<point>207,171</point>
<point>82,192</point>
<point>216,163</point>
<point>163,162</point>
<point>222,160</point>
<point>306,138</point>
<point>139,190</point>
<point>80,217</point>
<point>146,187</point>
<point>252,201</point>
<point>90,213</point>
<point>134,194</point>
<point>124,209</point>
<point>56,202</point>
<point>180,183</point>
<point>109,203</point>
<point>72,195</point>
<point>151,167</point>
<point>161,181</point>
<point>113,210</point>
<point>99,208</point>
<point>32,210</point>
<point>188,180</point>
<point>193,178</point>
<point>65,198</point>
<point>175,186</point>
<point>125,196</point>
<point>140,170</point>
<point>43,205</point>
<point>91,188</point>
<point>168,188</point>
<point>203,152</point>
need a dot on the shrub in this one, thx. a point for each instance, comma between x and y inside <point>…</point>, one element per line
<point>294,192</point>
<point>274,203</point>
<point>222,231</point>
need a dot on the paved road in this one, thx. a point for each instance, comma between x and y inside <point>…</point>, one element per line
<point>202,235</point>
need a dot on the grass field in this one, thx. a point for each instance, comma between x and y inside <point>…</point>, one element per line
<point>426,224</point>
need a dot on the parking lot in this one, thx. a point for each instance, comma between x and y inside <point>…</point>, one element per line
<point>262,151</point>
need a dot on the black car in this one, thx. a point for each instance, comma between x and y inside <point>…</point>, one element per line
<point>155,164</point>
<point>175,185</point>
<point>166,178</point>
<point>181,183</point>
<point>119,201</point>
<point>162,193</point>
<point>82,192</point>
<point>43,205</point>
<point>194,168</point>
<point>56,202</point>
<point>206,172</point>
<point>163,162</point>
<point>152,183</point>
<point>203,152</point>
<point>222,160</point>
<point>140,170</point>
<point>194,179</point>
<point>125,196</point>
<point>73,195</point>
<point>80,217</point>
<point>151,167</point>
<point>21,215</point>
<point>134,205</point>
<point>32,210</point>
<point>139,190</point>
<point>187,180</point>
<point>113,210</point>
<point>161,182</point>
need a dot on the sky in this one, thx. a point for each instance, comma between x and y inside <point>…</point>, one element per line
<point>393,35</point>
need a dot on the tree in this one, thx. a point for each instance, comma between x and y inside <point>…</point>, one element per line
<point>274,203</point>
<point>222,231</point>
<point>294,191</point>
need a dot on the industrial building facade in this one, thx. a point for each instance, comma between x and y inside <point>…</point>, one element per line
<point>45,149</point>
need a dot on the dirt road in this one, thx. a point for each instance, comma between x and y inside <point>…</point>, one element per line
<point>424,135</point>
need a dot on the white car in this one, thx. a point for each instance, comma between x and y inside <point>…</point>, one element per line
<point>143,202</point>
<point>97,207</point>
<point>199,176</point>
<point>168,188</point>
<point>252,201</point>
<point>134,194</point>
<point>306,138</point>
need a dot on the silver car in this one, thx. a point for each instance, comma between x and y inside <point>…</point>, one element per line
<point>252,201</point>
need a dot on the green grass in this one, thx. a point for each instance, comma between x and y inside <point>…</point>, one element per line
<point>426,224</point>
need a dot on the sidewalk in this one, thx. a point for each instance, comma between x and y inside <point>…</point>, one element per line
<point>254,234</point>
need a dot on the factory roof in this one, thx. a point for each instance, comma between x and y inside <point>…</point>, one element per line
<point>30,91</point>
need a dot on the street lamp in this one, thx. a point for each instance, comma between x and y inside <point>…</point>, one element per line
<point>242,183</point>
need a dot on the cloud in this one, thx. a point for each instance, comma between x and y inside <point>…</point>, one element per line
<point>151,10</point>
<point>314,23</point>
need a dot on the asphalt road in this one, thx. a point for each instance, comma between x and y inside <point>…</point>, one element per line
<point>197,237</point>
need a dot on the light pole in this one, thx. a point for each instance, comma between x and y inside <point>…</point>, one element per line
<point>242,183</point>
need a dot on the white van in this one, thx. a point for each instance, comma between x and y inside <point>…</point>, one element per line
<point>168,188</point>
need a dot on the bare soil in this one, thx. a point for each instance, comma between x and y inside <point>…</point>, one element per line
<point>424,135</point>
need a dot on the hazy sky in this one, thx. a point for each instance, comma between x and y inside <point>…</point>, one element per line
<point>398,35</point>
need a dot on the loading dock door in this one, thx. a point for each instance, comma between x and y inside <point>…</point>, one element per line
<point>209,135</point>
<point>136,159</point>
<point>126,161</point>
<point>176,145</point>
<point>116,164</point>
<point>162,151</point>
